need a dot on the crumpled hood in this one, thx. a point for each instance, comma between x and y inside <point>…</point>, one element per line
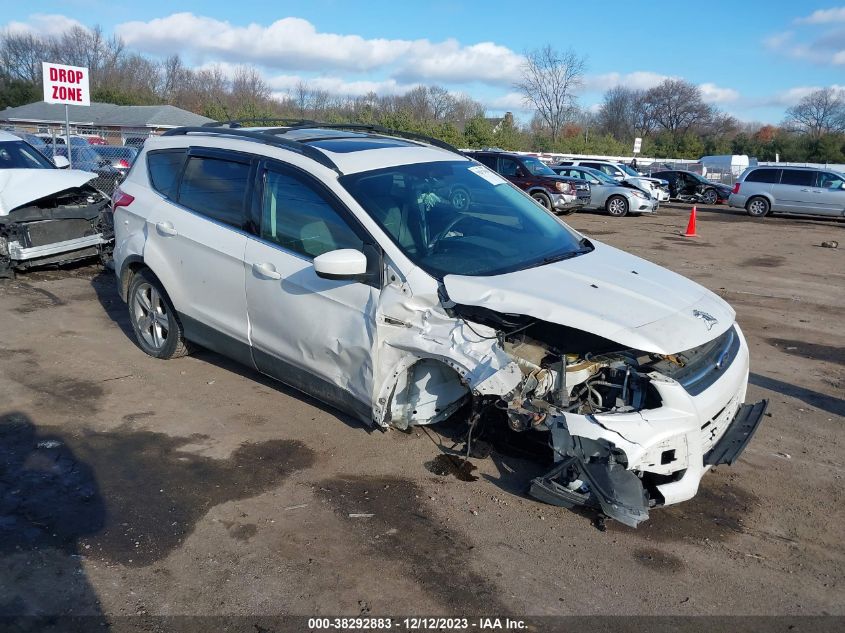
<point>24,186</point>
<point>609,293</point>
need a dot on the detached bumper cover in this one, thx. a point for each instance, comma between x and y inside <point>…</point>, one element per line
<point>736,437</point>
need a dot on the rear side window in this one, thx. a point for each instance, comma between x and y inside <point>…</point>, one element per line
<point>764,175</point>
<point>164,169</point>
<point>486,159</point>
<point>215,188</point>
<point>802,177</point>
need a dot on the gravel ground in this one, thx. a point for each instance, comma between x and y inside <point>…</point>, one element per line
<point>196,486</point>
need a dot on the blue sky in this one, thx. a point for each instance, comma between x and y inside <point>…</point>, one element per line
<point>753,59</point>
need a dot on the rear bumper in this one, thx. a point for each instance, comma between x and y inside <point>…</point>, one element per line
<point>737,200</point>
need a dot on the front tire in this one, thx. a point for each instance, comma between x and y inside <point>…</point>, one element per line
<point>710,196</point>
<point>158,331</point>
<point>543,200</point>
<point>758,207</point>
<point>617,206</point>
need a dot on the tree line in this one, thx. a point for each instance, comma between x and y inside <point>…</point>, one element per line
<point>672,118</point>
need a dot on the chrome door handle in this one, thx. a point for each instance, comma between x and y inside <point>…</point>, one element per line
<point>166,228</point>
<point>266,270</point>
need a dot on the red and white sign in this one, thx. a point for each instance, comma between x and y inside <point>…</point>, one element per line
<point>65,84</point>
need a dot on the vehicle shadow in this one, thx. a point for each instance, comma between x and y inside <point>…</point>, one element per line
<point>105,287</point>
<point>821,401</point>
<point>49,500</point>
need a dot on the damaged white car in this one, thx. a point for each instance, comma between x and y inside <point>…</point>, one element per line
<point>334,259</point>
<point>47,215</point>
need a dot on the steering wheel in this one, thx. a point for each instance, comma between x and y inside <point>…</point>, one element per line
<point>436,239</point>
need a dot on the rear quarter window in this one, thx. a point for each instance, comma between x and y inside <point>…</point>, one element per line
<point>764,175</point>
<point>164,168</point>
<point>216,188</point>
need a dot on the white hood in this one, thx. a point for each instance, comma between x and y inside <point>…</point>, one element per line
<point>23,186</point>
<point>609,293</point>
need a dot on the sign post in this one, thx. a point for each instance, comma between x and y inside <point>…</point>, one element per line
<point>67,85</point>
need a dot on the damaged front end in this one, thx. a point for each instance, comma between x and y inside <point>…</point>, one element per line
<point>62,227</point>
<point>623,425</point>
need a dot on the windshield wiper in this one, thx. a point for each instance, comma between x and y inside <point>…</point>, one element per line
<point>562,256</point>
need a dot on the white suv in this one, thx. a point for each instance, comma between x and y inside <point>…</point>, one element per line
<point>334,259</point>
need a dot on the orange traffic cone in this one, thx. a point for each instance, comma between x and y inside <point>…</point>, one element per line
<point>691,225</point>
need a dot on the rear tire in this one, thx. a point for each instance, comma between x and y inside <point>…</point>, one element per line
<point>158,331</point>
<point>758,207</point>
<point>710,196</point>
<point>617,206</point>
<point>543,200</point>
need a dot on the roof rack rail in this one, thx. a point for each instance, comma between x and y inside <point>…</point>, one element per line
<point>238,123</point>
<point>264,137</point>
<point>377,129</point>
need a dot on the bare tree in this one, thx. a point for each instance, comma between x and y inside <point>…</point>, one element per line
<point>21,55</point>
<point>820,112</point>
<point>676,106</point>
<point>549,81</point>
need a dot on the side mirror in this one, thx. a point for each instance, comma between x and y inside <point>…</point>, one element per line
<point>345,263</point>
<point>61,162</point>
<point>594,182</point>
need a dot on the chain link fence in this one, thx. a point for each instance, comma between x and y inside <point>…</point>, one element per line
<point>108,153</point>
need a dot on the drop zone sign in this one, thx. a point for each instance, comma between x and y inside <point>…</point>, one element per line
<point>65,84</point>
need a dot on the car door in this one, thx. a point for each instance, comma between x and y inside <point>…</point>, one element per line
<point>794,193</point>
<point>312,333</point>
<point>195,245</point>
<point>513,171</point>
<point>829,193</point>
<point>598,190</point>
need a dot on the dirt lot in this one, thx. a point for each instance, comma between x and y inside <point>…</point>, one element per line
<point>196,486</point>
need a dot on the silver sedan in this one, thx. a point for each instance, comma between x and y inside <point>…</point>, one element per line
<point>615,197</point>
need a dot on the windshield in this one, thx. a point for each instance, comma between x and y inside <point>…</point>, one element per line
<point>628,170</point>
<point>600,176</point>
<point>461,218</point>
<point>21,155</point>
<point>537,167</point>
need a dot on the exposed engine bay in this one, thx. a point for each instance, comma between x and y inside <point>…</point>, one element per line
<point>569,378</point>
<point>59,228</point>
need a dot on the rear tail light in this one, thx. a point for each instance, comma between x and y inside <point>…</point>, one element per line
<point>123,163</point>
<point>736,188</point>
<point>120,199</point>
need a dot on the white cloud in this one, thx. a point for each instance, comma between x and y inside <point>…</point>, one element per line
<point>44,24</point>
<point>511,101</point>
<point>788,98</point>
<point>824,16</point>
<point>282,84</point>
<point>449,61</point>
<point>640,80</point>
<point>811,44</point>
<point>295,44</point>
<point>711,93</point>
